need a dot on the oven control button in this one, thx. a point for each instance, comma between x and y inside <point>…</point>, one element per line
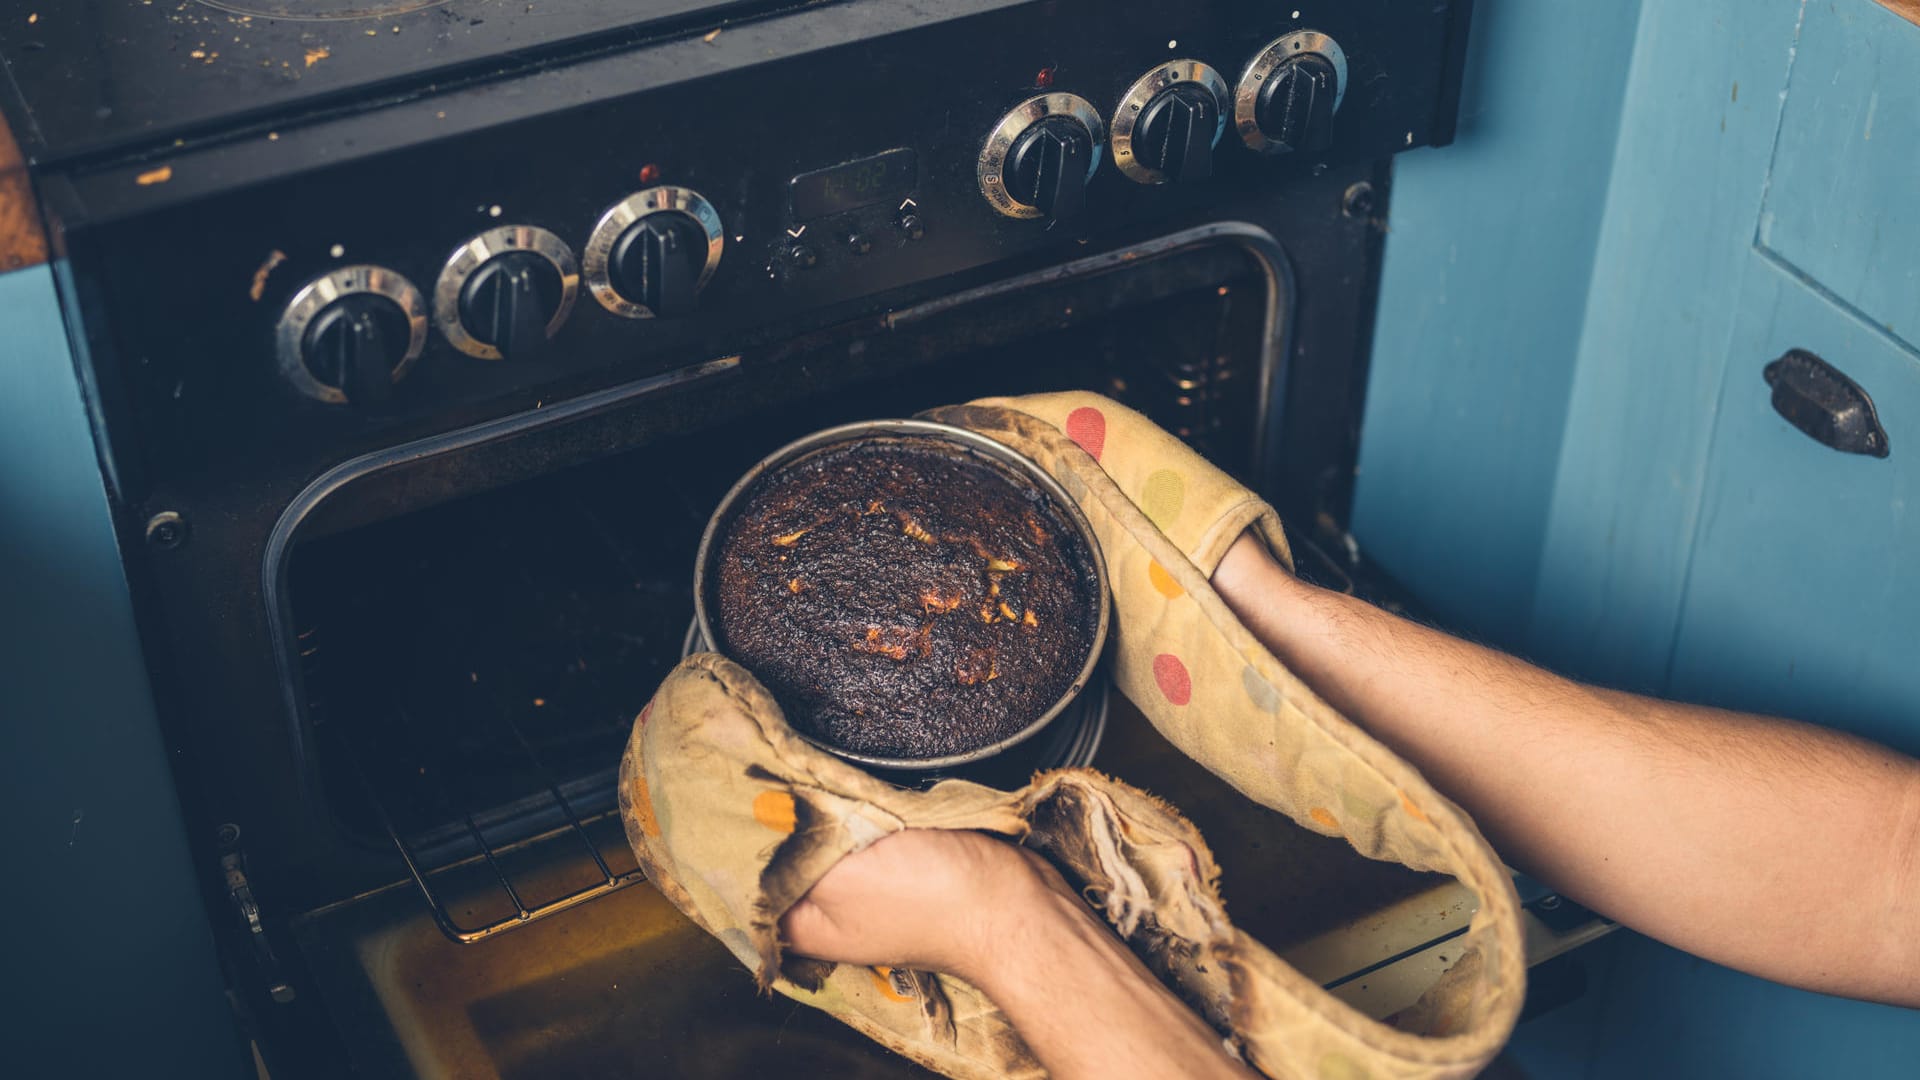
<point>652,252</point>
<point>1037,160</point>
<point>506,292</point>
<point>1168,122</point>
<point>350,335</point>
<point>1287,97</point>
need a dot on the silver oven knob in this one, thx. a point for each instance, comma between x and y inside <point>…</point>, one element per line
<point>1037,160</point>
<point>506,292</point>
<point>652,252</point>
<point>350,335</point>
<point>1287,96</point>
<point>1168,121</point>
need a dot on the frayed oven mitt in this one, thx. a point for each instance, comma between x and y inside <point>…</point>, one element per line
<point>734,817</point>
<point>1165,518</point>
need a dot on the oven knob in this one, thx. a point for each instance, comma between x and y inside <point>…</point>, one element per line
<point>652,252</point>
<point>1039,157</point>
<point>1047,167</point>
<point>350,335</point>
<point>1286,99</point>
<point>506,292</point>
<point>1168,122</point>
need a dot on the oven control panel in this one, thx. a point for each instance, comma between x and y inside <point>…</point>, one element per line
<point>369,275</point>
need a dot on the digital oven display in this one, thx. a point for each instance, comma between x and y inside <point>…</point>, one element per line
<point>854,184</point>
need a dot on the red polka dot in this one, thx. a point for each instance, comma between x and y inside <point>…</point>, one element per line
<point>1088,427</point>
<point>1172,676</point>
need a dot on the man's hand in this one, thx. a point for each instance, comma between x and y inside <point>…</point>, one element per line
<point>1003,919</point>
<point>923,899</point>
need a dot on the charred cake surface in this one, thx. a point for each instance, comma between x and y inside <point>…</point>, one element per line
<point>905,597</point>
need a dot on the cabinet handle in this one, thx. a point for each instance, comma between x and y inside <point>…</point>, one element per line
<point>1821,401</point>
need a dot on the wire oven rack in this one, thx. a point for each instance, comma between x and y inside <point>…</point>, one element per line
<point>494,856</point>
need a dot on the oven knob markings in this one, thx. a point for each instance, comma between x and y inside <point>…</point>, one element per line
<point>350,335</point>
<point>1037,160</point>
<point>653,251</point>
<point>1168,121</point>
<point>1288,95</point>
<point>506,292</point>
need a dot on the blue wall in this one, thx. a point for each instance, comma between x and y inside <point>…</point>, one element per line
<point>109,967</point>
<point>1569,448</point>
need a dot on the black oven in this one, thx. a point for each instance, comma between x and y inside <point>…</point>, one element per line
<point>414,390</point>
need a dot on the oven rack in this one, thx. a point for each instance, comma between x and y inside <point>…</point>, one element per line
<point>474,838</point>
<point>494,856</point>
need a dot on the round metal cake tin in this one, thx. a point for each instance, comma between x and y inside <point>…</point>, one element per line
<point>880,431</point>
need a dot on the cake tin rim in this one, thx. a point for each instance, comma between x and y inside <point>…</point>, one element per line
<point>1006,455</point>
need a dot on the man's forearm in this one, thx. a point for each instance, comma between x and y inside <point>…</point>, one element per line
<point>1778,848</point>
<point>1059,973</point>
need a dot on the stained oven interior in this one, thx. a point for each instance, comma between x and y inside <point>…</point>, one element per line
<point>466,673</point>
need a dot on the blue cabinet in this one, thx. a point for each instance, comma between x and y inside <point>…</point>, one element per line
<point>1803,592</point>
<point>110,966</point>
<point>1596,409</point>
<point>1803,597</point>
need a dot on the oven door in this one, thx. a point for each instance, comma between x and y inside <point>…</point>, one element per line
<point>468,624</point>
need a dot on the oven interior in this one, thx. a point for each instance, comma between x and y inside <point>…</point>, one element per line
<point>470,668</point>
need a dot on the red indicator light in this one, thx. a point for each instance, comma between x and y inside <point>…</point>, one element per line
<point>1044,79</point>
<point>649,173</point>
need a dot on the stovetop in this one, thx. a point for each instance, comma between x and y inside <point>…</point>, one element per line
<point>86,78</point>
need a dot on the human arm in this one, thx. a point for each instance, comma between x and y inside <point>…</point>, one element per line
<point>1002,919</point>
<point>1778,848</point>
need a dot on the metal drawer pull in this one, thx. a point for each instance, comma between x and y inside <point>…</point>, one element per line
<point>1817,398</point>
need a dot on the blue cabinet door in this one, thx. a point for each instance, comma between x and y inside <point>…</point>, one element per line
<point>1803,598</point>
<point>1803,591</point>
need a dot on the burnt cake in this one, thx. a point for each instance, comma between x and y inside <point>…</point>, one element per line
<point>905,597</point>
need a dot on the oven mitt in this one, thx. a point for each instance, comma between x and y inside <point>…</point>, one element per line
<point>1164,518</point>
<point>734,817</point>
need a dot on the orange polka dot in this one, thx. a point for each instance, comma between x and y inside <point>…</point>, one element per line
<point>883,979</point>
<point>1172,676</point>
<point>1413,811</point>
<point>1088,427</point>
<point>1323,816</point>
<point>1163,582</point>
<point>1163,496</point>
<point>774,809</point>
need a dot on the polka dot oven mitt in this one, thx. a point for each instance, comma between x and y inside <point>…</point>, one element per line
<point>733,817</point>
<point>1165,517</point>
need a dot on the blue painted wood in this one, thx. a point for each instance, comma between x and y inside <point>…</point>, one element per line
<point>1693,539</point>
<point>1675,1015</point>
<point>1841,205</point>
<point>1701,109</point>
<point>1804,595</point>
<point>109,967</point>
<point>1482,294</point>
